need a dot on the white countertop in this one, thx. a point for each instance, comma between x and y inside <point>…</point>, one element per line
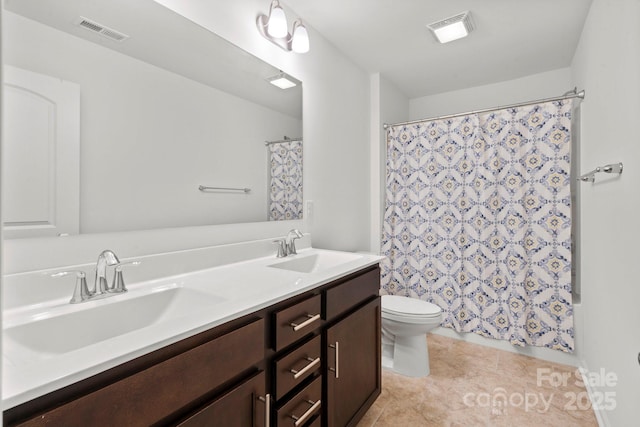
<point>236,289</point>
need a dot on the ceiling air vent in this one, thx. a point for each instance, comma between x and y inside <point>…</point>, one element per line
<point>104,31</point>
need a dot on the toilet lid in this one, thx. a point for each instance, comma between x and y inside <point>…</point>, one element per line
<point>412,307</point>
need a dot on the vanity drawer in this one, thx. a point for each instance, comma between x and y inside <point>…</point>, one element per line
<point>348,294</point>
<point>162,390</point>
<point>302,407</point>
<point>246,405</point>
<point>295,322</point>
<point>293,368</point>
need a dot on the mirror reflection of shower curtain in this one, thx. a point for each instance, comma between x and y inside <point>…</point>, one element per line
<point>285,180</point>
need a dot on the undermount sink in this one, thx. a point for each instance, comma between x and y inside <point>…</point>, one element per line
<point>89,325</point>
<point>316,262</point>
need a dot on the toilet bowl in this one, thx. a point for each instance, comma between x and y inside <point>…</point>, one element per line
<point>405,323</point>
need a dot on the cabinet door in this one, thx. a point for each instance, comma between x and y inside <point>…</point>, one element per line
<point>353,363</point>
<point>247,405</point>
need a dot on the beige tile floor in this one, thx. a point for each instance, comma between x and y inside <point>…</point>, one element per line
<point>472,385</point>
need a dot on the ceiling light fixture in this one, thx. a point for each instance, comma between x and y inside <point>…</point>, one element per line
<point>283,81</point>
<point>300,38</point>
<point>452,28</point>
<point>277,21</point>
<point>274,29</point>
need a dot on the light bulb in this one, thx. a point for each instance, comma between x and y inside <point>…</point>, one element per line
<point>300,42</point>
<point>277,26</point>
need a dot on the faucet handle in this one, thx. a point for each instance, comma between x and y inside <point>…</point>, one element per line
<point>118,285</point>
<point>282,248</point>
<point>81,291</point>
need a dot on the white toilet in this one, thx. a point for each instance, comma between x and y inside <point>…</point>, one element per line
<point>405,323</point>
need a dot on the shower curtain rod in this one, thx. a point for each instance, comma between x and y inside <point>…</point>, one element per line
<point>571,94</point>
<point>280,141</point>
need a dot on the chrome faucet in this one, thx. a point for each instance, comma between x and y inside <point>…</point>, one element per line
<point>106,258</point>
<point>291,241</point>
<point>101,287</point>
<point>287,246</point>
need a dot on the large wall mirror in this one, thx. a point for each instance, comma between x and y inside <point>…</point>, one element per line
<point>117,112</point>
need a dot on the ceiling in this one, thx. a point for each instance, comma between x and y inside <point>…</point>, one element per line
<point>512,38</point>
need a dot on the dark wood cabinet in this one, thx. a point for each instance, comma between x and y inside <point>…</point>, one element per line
<point>160,392</point>
<point>246,405</point>
<point>353,365</point>
<point>310,361</point>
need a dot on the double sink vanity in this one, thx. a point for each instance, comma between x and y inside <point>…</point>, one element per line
<point>260,341</point>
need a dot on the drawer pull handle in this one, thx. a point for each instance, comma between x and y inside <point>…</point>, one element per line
<point>310,411</point>
<point>267,409</point>
<point>301,372</point>
<point>337,369</point>
<point>310,319</point>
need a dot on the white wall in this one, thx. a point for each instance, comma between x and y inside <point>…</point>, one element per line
<point>607,65</point>
<point>150,137</point>
<point>535,86</point>
<point>388,105</point>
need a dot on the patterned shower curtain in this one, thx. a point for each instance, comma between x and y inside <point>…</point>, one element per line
<point>477,220</point>
<point>285,180</point>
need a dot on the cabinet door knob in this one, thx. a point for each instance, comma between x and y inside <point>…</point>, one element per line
<point>301,372</point>
<point>303,418</point>
<point>310,319</point>
<point>337,368</point>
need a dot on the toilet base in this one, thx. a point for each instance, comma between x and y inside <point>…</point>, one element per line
<point>387,356</point>
<point>411,356</point>
<point>408,356</point>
